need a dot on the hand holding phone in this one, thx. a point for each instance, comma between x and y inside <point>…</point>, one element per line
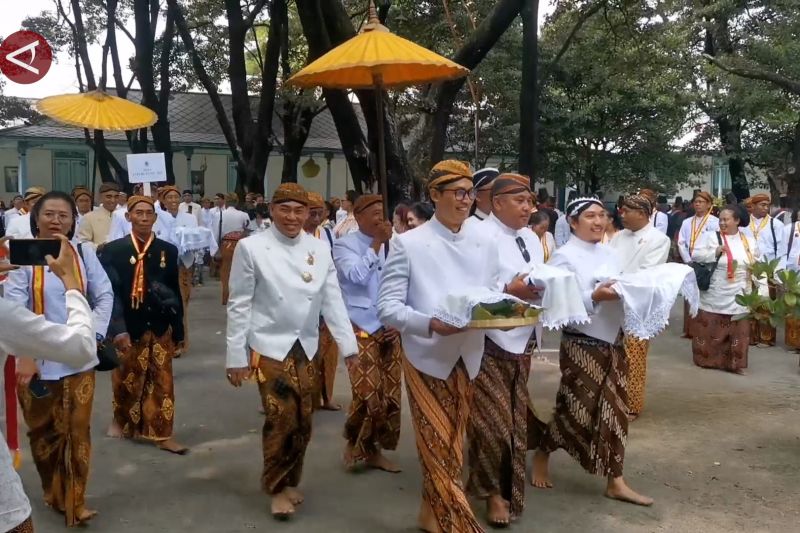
<point>33,252</point>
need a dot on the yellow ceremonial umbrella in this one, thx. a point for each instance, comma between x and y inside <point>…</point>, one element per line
<point>97,110</point>
<point>377,59</point>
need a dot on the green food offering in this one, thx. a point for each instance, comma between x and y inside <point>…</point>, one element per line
<point>503,309</point>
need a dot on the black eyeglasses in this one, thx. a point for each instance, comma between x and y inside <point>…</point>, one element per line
<point>461,194</point>
<point>523,249</point>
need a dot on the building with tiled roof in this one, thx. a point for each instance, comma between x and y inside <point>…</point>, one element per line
<point>56,156</point>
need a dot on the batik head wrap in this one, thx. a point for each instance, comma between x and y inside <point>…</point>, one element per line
<point>448,171</point>
<point>315,200</point>
<point>366,200</point>
<point>162,192</point>
<point>79,191</point>
<point>290,192</point>
<point>484,177</point>
<point>705,196</point>
<point>638,202</point>
<point>579,205</point>
<point>511,184</point>
<point>106,187</point>
<point>138,198</point>
<point>761,197</point>
<point>31,193</point>
<point>650,195</point>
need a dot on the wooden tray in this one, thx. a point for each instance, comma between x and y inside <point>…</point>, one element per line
<point>503,323</point>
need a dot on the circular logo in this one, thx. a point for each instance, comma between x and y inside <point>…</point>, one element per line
<point>25,57</point>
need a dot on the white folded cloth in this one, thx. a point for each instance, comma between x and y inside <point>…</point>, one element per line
<point>648,296</point>
<point>195,239</point>
<point>562,302</point>
<point>456,309</point>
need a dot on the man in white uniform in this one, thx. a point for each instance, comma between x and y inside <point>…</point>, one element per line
<point>768,234</point>
<point>482,181</point>
<point>190,206</point>
<point>658,220</point>
<point>17,208</point>
<point>285,279</point>
<point>639,246</point>
<point>20,226</point>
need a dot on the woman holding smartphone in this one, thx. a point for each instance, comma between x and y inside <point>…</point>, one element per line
<point>58,409</point>
<point>73,343</point>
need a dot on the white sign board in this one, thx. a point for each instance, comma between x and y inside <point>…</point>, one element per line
<point>146,168</point>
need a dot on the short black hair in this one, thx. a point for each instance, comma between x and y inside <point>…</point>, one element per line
<point>740,213</point>
<point>422,210</point>
<point>351,196</point>
<point>53,195</point>
<point>538,217</point>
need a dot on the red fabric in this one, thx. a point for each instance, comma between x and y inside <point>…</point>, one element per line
<point>729,255</point>
<point>10,381</point>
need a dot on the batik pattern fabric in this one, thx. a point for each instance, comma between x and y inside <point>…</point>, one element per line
<point>720,342</point>
<point>373,421</point>
<point>762,333</point>
<point>440,411</point>
<point>326,360</point>
<point>288,389</point>
<point>25,527</point>
<point>186,280</point>
<point>792,333</point>
<point>226,259</point>
<point>59,432</point>
<point>144,393</point>
<point>498,426</point>
<point>590,421</point>
<point>636,352</point>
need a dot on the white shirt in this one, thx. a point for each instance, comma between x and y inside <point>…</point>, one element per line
<point>341,214</point>
<point>563,231</point>
<point>790,258</point>
<point>721,294</point>
<point>512,263</point>
<point>685,234</point>
<point>255,227</point>
<point>660,221</point>
<point>763,229</point>
<point>25,333</point>
<point>271,306</point>
<point>10,215</point>
<point>480,215</point>
<point>593,263</point>
<point>196,211</point>
<point>424,266</point>
<point>548,242</point>
<point>98,289</point>
<point>641,249</point>
<point>232,220</point>
<point>120,227</point>
<point>19,227</point>
<point>165,229</point>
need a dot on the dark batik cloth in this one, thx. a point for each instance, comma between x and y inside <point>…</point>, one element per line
<point>186,280</point>
<point>498,426</point>
<point>288,391</point>
<point>162,307</point>
<point>762,333</point>
<point>144,393</point>
<point>720,342</point>
<point>25,527</point>
<point>792,333</point>
<point>440,410</point>
<point>373,422</point>
<point>59,429</point>
<point>591,416</point>
<point>326,360</point>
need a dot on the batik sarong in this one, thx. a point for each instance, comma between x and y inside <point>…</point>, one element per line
<point>226,259</point>
<point>498,427</point>
<point>25,527</point>
<point>591,416</point>
<point>762,333</point>
<point>288,389</point>
<point>144,394</point>
<point>720,342</point>
<point>186,280</point>
<point>326,360</point>
<point>636,353</point>
<point>60,437</point>
<point>440,410</point>
<point>373,421</point>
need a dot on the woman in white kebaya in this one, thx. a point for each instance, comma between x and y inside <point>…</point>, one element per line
<point>540,223</point>
<point>719,341</point>
<point>591,416</point>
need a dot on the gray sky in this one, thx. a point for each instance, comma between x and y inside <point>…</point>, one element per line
<point>61,77</point>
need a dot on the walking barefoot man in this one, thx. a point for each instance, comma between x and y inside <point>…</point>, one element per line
<point>284,279</point>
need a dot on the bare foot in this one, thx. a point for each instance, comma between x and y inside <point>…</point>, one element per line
<point>617,489</point>
<point>632,416</point>
<point>379,462</point>
<point>498,511</point>
<point>540,473</point>
<point>114,431</point>
<point>426,520</point>
<point>281,507</point>
<point>348,458</point>
<point>84,515</point>
<point>173,447</point>
<point>294,495</point>
<point>331,406</point>
<point>739,371</point>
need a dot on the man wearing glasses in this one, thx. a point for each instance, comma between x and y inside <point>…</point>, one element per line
<point>423,268</point>
<point>497,431</point>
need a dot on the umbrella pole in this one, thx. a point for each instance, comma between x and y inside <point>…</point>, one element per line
<point>382,184</point>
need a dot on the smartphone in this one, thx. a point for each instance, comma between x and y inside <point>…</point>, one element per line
<point>38,388</point>
<point>25,252</point>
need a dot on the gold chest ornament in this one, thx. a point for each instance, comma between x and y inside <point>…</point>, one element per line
<point>163,263</point>
<point>132,260</point>
<point>307,277</point>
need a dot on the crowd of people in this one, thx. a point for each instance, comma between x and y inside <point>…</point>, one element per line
<point>316,280</point>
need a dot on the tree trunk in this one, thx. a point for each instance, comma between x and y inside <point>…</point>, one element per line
<point>793,176</point>
<point>529,93</point>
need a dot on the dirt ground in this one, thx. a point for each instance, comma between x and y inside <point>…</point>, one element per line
<point>718,452</point>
